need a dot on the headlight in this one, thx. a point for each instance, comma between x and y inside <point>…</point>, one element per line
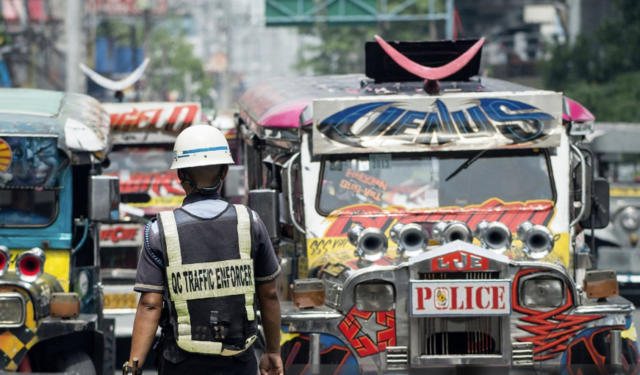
<point>629,219</point>
<point>12,310</point>
<point>374,297</point>
<point>542,292</point>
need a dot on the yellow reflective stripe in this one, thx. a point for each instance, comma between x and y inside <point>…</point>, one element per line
<point>204,347</point>
<point>170,230</point>
<point>248,305</point>
<point>244,244</point>
<point>210,280</point>
<point>244,231</point>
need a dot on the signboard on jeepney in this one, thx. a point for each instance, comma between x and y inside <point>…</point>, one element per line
<point>160,122</point>
<point>461,121</point>
<point>121,235</point>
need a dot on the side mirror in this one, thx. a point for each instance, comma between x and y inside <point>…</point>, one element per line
<point>104,198</point>
<point>233,186</point>
<point>267,204</point>
<point>599,216</point>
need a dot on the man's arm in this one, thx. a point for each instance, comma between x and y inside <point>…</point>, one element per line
<point>146,325</point>
<point>271,363</point>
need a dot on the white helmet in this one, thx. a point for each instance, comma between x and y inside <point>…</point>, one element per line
<point>200,145</point>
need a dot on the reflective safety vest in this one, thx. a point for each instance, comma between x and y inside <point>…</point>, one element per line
<point>210,280</point>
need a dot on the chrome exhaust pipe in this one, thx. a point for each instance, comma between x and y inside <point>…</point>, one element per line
<point>494,236</point>
<point>537,240</point>
<point>371,243</point>
<point>30,264</point>
<point>412,239</point>
<point>445,233</point>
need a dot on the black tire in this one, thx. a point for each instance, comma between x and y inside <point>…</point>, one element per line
<point>75,363</point>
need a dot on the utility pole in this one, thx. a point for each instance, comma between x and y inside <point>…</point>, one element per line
<point>75,42</point>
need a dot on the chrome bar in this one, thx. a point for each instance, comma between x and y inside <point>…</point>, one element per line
<point>314,354</point>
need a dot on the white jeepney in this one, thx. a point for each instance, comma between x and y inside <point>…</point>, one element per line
<point>424,232</point>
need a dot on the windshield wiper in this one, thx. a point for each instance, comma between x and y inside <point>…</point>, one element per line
<point>465,165</point>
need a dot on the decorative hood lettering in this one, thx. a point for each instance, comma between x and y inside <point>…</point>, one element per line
<point>503,121</point>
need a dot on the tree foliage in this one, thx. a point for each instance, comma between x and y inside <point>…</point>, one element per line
<point>340,47</point>
<point>172,59</point>
<point>602,71</point>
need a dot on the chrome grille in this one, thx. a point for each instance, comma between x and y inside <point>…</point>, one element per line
<point>461,335</point>
<point>478,275</point>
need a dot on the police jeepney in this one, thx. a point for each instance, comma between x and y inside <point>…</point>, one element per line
<point>52,200</point>
<point>427,218</point>
<point>143,136</point>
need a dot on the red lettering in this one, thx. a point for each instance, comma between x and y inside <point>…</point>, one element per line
<point>498,296</point>
<point>173,125</point>
<point>479,303</point>
<point>454,298</point>
<point>423,295</point>
<point>469,290</point>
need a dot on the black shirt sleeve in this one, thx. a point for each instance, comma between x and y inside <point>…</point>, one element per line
<point>150,276</point>
<point>265,262</point>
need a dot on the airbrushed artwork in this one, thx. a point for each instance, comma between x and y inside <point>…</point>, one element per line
<point>28,161</point>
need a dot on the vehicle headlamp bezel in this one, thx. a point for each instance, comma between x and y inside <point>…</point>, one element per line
<point>629,213</point>
<point>549,302</point>
<point>378,296</point>
<point>23,312</point>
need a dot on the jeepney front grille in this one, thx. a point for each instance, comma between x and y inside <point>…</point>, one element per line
<point>478,275</point>
<point>461,335</point>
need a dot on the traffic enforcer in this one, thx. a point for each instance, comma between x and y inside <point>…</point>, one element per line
<point>428,217</point>
<point>52,200</point>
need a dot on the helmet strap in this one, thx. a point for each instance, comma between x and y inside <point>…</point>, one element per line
<point>206,190</point>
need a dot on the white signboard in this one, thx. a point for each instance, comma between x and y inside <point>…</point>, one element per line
<point>463,121</point>
<point>121,235</point>
<point>154,122</point>
<point>460,297</point>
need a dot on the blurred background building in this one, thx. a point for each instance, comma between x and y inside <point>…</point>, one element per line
<point>213,50</point>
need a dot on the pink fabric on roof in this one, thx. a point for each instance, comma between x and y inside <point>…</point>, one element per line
<point>579,113</point>
<point>284,115</point>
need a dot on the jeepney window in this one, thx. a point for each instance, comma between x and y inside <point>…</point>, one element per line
<point>149,160</point>
<point>27,207</point>
<point>620,168</point>
<point>419,181</point>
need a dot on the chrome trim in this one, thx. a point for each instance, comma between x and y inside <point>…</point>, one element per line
<point>527,229</point>
<point>39,291</point>
<point>397,357</point>
<point>583,190</point>
<point>39,255</point>
<point>399,232</point>
<point>535,276</point>
<point>483,232</point>
<point>4,251</point>
<point>522,353</point>
<point>314,354</point>
<point>23,316</point>
<point>290,188</point>
<point>553,267</point>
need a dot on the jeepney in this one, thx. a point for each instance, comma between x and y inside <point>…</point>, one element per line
<point>143,136</point>
<point>617,153</point>
<point>430,226</point>
<point>53,198</point>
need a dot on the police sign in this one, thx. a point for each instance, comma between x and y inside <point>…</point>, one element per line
<point>460,297</point>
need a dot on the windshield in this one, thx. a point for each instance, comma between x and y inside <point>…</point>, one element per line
<point>147,160</point>
<point>27,207</point>
<point>620,168</point>
<point>419,181</point>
